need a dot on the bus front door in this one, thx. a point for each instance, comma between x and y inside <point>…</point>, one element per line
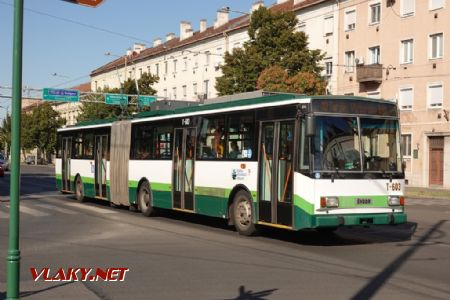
<point>275,188</point>
<point>183,168</point>
<point>65,163</point>
<point>101,157</point>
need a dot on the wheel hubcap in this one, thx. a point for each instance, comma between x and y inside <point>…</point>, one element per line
<point>145,198</point>
<point>244,213</point>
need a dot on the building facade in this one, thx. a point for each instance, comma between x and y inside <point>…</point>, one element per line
<point>398,49</point>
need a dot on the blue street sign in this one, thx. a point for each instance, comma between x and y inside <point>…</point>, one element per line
<point>60,95</point>
<point>116,99</point>
<point>146,100</point>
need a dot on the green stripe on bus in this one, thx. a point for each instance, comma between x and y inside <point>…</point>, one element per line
<point>303,204</point>
<point>58,176</point>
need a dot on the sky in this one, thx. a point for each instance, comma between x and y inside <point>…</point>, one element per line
<point>59,52</point>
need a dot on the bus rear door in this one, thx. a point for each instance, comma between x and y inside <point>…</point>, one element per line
<point>65,163</point>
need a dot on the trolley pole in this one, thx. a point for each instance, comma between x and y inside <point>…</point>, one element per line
<point>13,256</point>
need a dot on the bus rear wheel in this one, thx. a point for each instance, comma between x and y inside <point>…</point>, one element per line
<point>243,214</point>
<point>144,199</point>
<point>79,191</point>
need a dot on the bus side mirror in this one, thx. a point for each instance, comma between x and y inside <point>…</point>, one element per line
<point>310,126</point>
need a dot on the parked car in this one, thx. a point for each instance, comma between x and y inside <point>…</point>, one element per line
<point>2,172</point>
<point>30,160</point>
<point>4,163</point>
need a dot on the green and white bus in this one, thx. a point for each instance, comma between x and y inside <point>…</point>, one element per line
<point>282,160</point>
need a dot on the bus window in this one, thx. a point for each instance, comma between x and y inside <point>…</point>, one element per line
<point>240,137</point>
<point>78,146</point>
<point>164,142</point>
<point>303,143</point>
<point>58,146</point>
<point>211,142</point>
<point>143,142</point>
<point>88,146</point>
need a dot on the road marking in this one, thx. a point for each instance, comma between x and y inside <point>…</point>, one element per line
<point>33,212</point>
<point>4,215</point>
<point>58,209</point>
<point>91,208</point>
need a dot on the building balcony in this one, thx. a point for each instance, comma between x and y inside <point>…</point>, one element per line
<point>369,73</point>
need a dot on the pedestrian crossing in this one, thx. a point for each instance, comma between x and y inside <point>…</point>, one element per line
<point>31,208</point>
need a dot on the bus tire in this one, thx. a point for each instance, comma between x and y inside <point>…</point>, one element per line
<point>144,199</point>
<point>243,214</point>
<point>79,190</point>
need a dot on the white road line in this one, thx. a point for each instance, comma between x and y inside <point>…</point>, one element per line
<point>4,215</point>
<point>58,209</point>
<point>91,208</point>
<point>33,212</point>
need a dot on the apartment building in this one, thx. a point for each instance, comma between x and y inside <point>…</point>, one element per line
<point>188,64</point>
<point>398,49</point>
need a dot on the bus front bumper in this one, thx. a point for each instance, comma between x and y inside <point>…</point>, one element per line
<point>359,220</point>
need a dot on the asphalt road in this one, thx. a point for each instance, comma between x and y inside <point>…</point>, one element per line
<point>183,256</point>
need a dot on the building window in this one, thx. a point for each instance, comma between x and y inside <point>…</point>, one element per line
<point>301,27</point>
<point>184,91</point>
<point>436,4</point>
<point>373,94</point>
<point>185,64</point>
<point>328,25</point>
<point>375,12</point>
<point>405,98</point>
<point>206,88</point>
<point>140,72</point>
<point>328,67</point>
<point>157,69</point>
<point>208,58</point>
<point>407,51</point>
<point>218,59</point>
<point>436,45</point>
<point>406,145</point>
<point>174,93</point>
<point>349,61</point>
<point>196,60</point>
<point>374,53</point>
<point>175,66</point>
<point>148,70</point>
<point>194,89</point>
<point>435,95</point>
<point>350,20</point>
<point>165,93</point>
<point>407,7</point>
<point>166,67</point>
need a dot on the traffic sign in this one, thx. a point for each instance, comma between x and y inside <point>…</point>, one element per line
<point>60,95</point>
<point>116,99</point>
<point>146,100</point>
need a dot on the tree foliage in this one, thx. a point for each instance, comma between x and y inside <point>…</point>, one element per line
<point>97,109</point>
<point>277,79</point>
<point>273,41</point>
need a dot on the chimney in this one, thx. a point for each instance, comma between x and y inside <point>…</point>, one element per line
<point>170,36</point>
<point>222,17</point>
<point>129,52</point>
<point>257,4</point>
<point>185,30</point>
<point>298,1</point>
<point>281,1</point>
<point>156,42</point>
<point>202,25</point>
<point>138,47</point>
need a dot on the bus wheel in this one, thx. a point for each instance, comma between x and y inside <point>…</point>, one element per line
<point>144,200</point>
<point>79,192</point>
<point>243,214</point>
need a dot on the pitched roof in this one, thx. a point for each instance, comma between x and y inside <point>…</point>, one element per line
<point>84,87</point>
<point>175,43</point>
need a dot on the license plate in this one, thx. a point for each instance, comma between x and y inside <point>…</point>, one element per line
<point>363,201</point>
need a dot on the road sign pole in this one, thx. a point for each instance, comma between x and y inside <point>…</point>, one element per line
<point>13,256</point>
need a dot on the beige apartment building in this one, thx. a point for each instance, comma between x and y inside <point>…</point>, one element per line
<point>399,50</point>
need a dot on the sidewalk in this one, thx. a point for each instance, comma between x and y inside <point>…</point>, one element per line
<point>427,193</point>
<point>51,290</point>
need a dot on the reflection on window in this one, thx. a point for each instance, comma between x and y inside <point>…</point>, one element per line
<point>303,148</point>
<point>211,138</point>
<point>381,145</point>
<point>78,145</point>
<point>88,145</point>
<point>240,137</point>
<point>144,145</point>
<point>336,144</point>
<point>164,142</point>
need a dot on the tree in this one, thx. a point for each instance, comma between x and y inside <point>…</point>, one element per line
<point>43,122</point>
<point>97,109</point>
<point>277,79</point>
<point>273,41</point>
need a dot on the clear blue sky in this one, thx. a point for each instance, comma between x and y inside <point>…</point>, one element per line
<point>53,46</point>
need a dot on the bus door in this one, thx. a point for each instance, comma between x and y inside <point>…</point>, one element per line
<point>101,157</point>
<point>183,168</point>
<point>65,163</point>
<point>275,187</point>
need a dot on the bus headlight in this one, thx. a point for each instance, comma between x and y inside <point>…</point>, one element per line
<point>395,200</point>
<point>329,202</point>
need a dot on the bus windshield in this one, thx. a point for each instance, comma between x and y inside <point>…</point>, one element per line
<point>356,144</point>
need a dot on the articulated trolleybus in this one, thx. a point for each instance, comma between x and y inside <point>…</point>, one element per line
<point>281,160</point>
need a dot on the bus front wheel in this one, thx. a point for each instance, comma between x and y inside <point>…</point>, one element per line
<point>144,199</point>
<point>79,191</point>
<point>243,214</point>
